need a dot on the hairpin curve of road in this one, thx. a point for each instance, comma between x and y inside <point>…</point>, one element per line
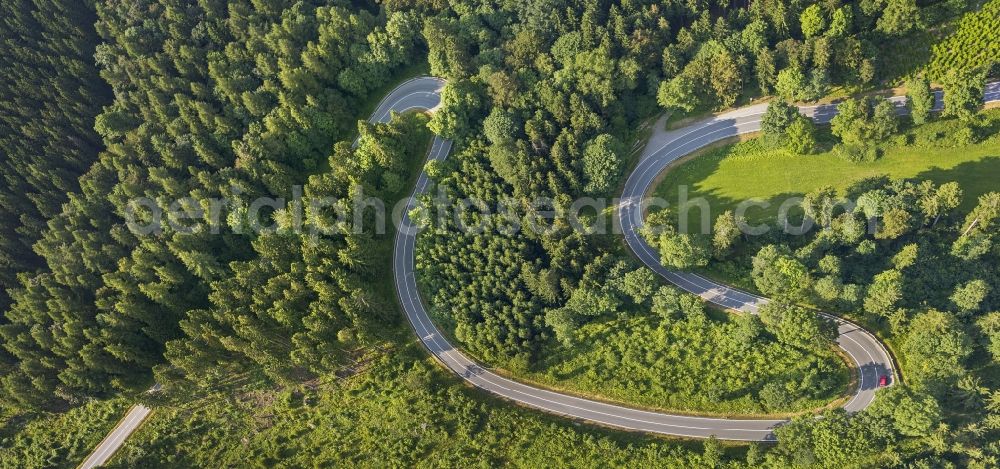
<point>870,356</point>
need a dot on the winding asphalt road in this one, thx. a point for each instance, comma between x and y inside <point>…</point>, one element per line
<point>663,147</point>
<point>869,355</point>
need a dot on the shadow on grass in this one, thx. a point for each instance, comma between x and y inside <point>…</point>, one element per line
<point>763,212</point>
<point>975,177</point>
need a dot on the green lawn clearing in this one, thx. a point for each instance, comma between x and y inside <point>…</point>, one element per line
<point>728,175</point>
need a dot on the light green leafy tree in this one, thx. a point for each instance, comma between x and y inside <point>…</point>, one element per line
<point>841,22</point>
<point>970,295</point>
<point>819,205</point>
<point>935,348</point>
<point>911,413</point>
<point>563,323</point>
<point>499,126</point>
<point>682,250</point>
<point>989,324</point>
<point>812,20</point>
<point>801,136</point>
<point>792,84</point>
<point>963,93</point>
<point>726,232</point>
<point>778,116</point>
<point>639,285</point>
<point>796,326</point>
<point>601,163</point>
<point>833,440</point>
<point>678,93</point>
<point>778,274</point>
<point>884,293</point>
<point>461,103</point>
<point>899,17</point>
<point>588,301</point>
<point>936,202</point>
<point>920,99</point>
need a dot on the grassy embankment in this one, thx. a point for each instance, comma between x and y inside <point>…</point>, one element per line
<point>57,439</point>
<point>728,175</point>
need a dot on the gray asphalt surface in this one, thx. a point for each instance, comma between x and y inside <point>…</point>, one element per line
<point>421,93</point>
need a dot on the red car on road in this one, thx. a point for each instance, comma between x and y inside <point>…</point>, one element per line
<point>883,381</point>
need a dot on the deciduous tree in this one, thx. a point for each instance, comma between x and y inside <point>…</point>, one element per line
<point>801,136</point>
<point>969,295</point>
<point>601,163</point>
<point>963,93</point>
<point>778,274</point>
<point>795,325</point>
<point>778,116</point>
<point>812,20</point>
<point>920,99</point>
<point>899,17</point>
<point>792,84</point>
<point>936,348</point>
<point>563,323</point>
<point>884,293</point>
<point>726,232</point>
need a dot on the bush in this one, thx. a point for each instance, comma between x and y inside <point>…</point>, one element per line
<point>775,396</point>
<point>928,138</point>
<point>901,140</point>
<point>61,440</point>
<point>964,135</point>
<point>857,153</point>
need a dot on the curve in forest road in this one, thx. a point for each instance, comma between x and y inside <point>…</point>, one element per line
<point>663,147</point>
<point>870,356</point>
<point>414,95</point>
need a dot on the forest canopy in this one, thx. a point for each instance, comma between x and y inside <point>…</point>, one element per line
<point>176,103</point>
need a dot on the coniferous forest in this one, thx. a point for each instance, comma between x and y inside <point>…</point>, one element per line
<point>266,324</point>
